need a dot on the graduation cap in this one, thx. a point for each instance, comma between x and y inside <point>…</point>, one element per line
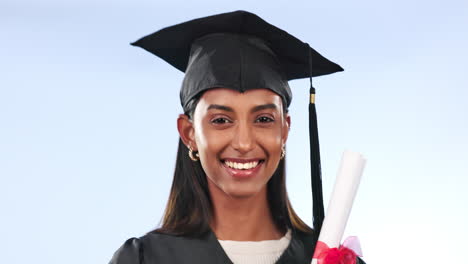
<point>241,51</point>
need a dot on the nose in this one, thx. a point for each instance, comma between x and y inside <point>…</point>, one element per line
<point>244,138</point>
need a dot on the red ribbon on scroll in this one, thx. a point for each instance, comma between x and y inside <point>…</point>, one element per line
<point>345,254</point>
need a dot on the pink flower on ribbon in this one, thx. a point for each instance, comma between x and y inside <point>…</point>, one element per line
<point>345,254</point>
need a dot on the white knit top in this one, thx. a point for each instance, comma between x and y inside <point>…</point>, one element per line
<point>256,252</point>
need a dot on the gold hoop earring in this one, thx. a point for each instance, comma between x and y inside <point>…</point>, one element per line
<point>283,152</point>
<point>193,156</point>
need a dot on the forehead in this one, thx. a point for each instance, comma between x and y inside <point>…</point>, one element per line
<point>235,99</point>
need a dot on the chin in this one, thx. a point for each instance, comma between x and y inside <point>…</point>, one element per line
<point>225,184</point>
<point>243,192</point>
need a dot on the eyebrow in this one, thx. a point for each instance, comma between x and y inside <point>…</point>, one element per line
<point>221,107</point>
<point>263,107</point>
<point>255,109</point>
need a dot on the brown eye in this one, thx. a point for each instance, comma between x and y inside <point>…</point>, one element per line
<point>220,121</point>
<point>264,119</point>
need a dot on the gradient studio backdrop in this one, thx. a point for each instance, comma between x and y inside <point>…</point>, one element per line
<point>88,133</point>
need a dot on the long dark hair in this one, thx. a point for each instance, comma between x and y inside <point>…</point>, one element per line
<point>189,208</point>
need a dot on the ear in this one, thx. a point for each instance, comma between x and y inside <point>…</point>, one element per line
<point>186,131</point>
<point>286,128</point>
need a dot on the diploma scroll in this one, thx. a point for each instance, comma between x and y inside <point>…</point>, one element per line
<point>342,198</point>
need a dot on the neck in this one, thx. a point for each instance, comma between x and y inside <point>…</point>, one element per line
<point>242,218</point>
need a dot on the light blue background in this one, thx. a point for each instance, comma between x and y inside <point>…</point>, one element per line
<point>88,132</point>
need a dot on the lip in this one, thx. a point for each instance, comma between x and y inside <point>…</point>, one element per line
<point>243,174</point>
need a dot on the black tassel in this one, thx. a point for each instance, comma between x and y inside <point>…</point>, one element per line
<point>315,167</point>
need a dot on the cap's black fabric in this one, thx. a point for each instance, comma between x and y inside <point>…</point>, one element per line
<point>250,53</point>
<point>239,62</point>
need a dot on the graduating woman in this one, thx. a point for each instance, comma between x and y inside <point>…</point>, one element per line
<point>228,201</point>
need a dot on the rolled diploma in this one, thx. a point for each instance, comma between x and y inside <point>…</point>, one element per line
<point>342,198</point>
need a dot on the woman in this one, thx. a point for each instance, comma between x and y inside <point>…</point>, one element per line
<point>228,202</point>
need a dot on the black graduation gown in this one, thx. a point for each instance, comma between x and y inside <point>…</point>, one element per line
<point>155,248</point>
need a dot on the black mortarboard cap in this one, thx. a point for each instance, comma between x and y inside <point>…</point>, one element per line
<point>241,51</point>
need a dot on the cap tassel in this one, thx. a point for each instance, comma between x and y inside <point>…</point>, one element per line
<point>315,167</point>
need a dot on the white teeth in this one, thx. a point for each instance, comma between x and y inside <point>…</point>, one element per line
<point>241,166</point>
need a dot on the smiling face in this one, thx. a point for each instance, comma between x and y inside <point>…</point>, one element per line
<point>239,137</point>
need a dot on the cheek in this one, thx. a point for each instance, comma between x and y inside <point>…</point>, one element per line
<point>210,141</point>
<point>201,134</point>
<point>270,139</point>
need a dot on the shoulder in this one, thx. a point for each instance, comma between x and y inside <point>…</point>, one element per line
<point>135,250</point>
<point>306,240</point>
<point>160,248</point>
<point>129,253</point>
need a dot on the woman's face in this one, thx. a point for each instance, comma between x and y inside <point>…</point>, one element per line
<point>239,137</point>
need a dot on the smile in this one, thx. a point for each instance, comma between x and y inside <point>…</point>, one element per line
<point>242,166</point>
<point>239,168</point>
